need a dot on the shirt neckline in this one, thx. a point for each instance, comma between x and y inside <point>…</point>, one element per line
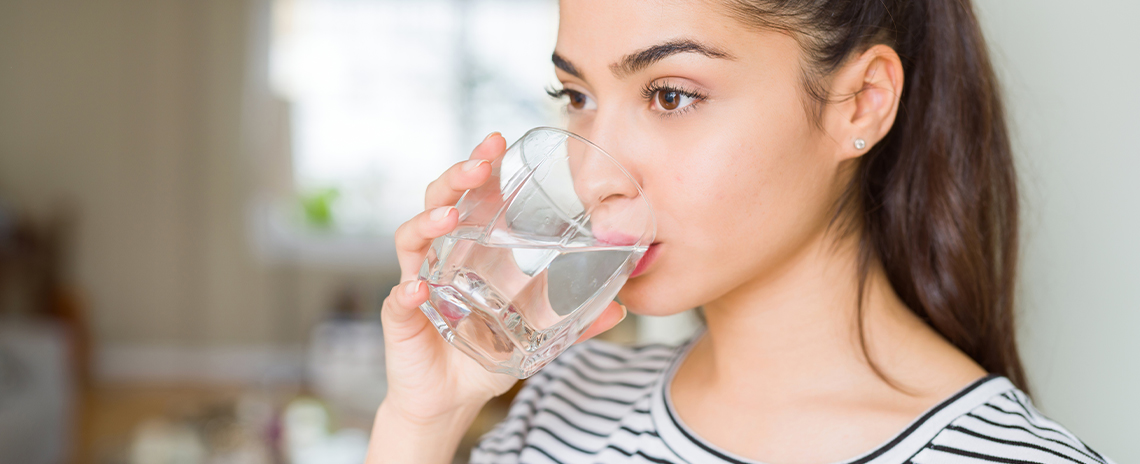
<point>678,437</point>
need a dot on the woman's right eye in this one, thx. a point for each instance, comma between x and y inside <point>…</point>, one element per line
<point>578,101</point>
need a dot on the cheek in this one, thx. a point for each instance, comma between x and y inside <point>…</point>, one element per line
<point>730,205</point>
<point>731,182</point>
<point>748,158</point>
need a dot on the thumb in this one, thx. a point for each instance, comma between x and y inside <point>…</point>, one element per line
<point>611,316</point>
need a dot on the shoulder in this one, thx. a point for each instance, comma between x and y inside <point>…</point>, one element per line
<point>1006,427</point>
<point>599,366</point>
<point>600,373</point>
<point>588,391</point>
<point>597,370</point>
<point>604,358</point>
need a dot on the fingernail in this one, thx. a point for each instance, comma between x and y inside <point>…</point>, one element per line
<point>624,313</point>
<point>413,288</point>
<point>471,165</point>
<point>488,137</point>
<point>439,213</point>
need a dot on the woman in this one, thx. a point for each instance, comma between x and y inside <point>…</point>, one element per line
<point>834,186</point>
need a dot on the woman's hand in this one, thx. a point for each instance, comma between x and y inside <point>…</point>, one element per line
<point>427,378</point>
<point>433,386</point>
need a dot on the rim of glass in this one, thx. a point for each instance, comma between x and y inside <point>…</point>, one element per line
<point>628,176</point>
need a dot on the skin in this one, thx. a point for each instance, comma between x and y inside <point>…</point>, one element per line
<point>744,186</point>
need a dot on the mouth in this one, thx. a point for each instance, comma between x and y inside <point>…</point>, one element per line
<point>620,239</point>
<point>646,260</point>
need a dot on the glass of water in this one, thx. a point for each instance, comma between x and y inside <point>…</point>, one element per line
<point>540,250</point>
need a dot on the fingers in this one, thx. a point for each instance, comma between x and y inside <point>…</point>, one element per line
<point>492,146</point>
<point>401,316</point>
<point>415,236</point>
<point>611,316</point>
<point>449,187</point>
<point>469,174</point>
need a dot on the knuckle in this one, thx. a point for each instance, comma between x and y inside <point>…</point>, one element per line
<point>405,234</point>
<point>392,301</point>
<point>430,192</point>
<point>401,239</point>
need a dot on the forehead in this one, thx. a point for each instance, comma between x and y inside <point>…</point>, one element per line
<point>593,34</point>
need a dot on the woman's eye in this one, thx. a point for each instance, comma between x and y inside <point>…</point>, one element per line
<point>670,100</point>
<point>579,101</point>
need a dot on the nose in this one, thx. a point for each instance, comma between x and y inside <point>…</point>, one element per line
<point>611,197</point>
<point>605,130</point>
<point>598,178</point>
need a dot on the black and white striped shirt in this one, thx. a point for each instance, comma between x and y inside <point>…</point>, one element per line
<point>606,403</point>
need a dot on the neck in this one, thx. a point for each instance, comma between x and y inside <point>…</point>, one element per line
<point>782,359</point>
<point>797,327</point>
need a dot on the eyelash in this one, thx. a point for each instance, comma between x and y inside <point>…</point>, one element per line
<point>647,93</point>
<point>651,89</point>
<point>558,93</point>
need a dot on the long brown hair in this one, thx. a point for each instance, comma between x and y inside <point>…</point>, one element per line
<point>936,200</point>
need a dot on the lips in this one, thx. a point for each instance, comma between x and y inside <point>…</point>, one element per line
<point>613,238</point>
<point>646,260</point>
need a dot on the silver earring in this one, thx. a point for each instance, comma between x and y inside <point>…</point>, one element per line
<point>860,144</point>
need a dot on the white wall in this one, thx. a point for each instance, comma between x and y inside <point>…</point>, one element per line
<point>131,110</point>
<point>1071,73</point>
<point>128,110</point>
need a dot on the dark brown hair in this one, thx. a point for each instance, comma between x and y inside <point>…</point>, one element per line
<point>935,202</point>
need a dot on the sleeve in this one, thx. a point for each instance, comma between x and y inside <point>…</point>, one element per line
<point>1008,428</point>
<point>1045,426</point>
<point>504,443</point>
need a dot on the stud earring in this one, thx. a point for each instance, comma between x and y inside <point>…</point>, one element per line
<point>860,144</point>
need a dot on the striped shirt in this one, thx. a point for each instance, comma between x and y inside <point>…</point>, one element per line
<point>604,403</point>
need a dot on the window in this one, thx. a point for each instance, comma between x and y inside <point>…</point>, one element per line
<point>384,95</point>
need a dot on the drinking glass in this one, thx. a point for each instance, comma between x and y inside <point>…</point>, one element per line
<point>540,250</point>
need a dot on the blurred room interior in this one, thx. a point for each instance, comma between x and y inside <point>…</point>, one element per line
<point>197,200</point>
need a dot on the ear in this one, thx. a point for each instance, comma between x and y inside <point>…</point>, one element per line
<point>866,92</point>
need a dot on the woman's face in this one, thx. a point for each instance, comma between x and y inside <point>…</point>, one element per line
<point>709,117</point>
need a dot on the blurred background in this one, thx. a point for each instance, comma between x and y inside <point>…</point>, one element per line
<point>197,200</point>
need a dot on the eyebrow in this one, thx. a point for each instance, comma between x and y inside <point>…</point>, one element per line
<point>644,58</point>
<point>563,64</point>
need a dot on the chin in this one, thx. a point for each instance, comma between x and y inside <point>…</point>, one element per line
<point>653,294</point>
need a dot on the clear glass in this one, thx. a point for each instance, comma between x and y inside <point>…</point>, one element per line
<point>541,249</point>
